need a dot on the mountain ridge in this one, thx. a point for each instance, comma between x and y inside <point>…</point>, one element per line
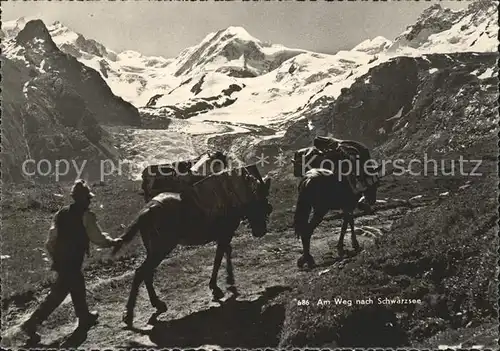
<point>54,108</point>
<point>235,53</point>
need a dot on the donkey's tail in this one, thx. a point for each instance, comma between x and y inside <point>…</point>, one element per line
<point>302,210</point>
<point>126,237</point>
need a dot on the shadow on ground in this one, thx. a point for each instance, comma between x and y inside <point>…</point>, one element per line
<point>246,324</point>
<point>73,340</point>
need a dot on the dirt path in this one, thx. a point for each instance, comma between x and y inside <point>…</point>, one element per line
<point>265,269</point>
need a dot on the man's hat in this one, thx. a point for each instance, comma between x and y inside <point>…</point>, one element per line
<point>81,190</point>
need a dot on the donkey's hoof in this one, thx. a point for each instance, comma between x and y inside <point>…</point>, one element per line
<point>128,319</point>
<point>217,293</point>
<point>301,261</point>
<point>161,307</point>
<point>310,262</point>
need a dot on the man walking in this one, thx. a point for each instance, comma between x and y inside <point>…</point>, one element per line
<point>72,228</point>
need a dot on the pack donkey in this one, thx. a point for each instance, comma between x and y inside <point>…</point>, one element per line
<point>320,191</point>
<point>332,185</point>
<point>329,153</point>
<point>172,219</point>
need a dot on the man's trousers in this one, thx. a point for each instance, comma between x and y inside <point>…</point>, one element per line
<point>68,282</point>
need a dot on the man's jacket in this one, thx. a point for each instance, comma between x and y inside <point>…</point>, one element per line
<point>69,235</point>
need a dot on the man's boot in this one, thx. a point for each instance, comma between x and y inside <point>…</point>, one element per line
<point>89,320</point>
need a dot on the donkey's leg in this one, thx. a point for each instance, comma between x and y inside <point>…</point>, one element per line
<point>229,266</point>
<point>354,241</point>
<point>219,253</point>
<point>155,300</point>
<point>148,281</point>
<point>306,247</point>
<point>316,219</point>
<point>139,275</point>
<point>343,230</point>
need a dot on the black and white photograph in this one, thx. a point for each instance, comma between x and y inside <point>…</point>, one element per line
<point>249,174</point>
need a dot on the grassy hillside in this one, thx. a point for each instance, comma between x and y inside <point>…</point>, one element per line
<point>27,211</point>
<point>445,255</point>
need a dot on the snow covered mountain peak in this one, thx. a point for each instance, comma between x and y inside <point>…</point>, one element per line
<point>36,36</point>
<point>77,45</point>
<point>11,28</point>
<point>231,75</point>
<point>232,51</point>
<point>439,29</point>
<point>237,32</point>
<point>66,39</point>
<point>373,46</point>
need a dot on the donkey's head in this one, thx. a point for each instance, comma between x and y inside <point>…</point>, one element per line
<point>373,182</point>
<point>257,210</point>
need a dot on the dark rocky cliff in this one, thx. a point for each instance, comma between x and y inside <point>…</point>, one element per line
<point>438,104</point>
<point>54,107</point>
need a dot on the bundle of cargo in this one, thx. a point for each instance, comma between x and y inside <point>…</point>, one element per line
<point>306,159</point>
<point>175,177</point>
<point>347,156</point>
<point>326,143</point>
<point>328,152</point>
<point>218,193</point>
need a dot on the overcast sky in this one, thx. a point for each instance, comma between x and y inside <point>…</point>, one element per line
<point>166,28</point>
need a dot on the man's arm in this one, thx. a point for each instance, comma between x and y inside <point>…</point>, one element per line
<point>51,239</point>
<point>94,232</point>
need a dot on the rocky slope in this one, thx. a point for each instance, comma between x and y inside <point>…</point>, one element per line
<point>441,256</point>
<point>440,106</point>
<point>443,106</point>
<point>127,73</point>
<point>54,106</point>
<point>435,104</point>
<point>34,47</point>
<point>295,92</point>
